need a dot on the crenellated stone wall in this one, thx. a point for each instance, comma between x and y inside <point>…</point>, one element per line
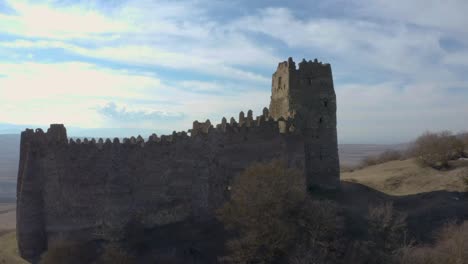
<point>88,190</point>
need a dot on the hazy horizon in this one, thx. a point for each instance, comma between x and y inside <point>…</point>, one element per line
<point>78,132</point>
<point>113,67</point>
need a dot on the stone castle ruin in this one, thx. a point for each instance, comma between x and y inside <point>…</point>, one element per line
<point>88,190</point>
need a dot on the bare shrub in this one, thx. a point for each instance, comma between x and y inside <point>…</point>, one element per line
<point>318,230</point>
<point>386,231</point>
<point>416,255</point>
<point>272,214</point>
<point>348,168</point>
<point>386,156</point>
<point>386,226</point>
<point>437,149</point>
<point>465,181</point>
<point>464,139</point>
<point>451,247</point>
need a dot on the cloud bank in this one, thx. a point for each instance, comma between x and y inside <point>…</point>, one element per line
<point>399,67</point>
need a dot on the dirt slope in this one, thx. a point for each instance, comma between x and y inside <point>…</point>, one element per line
<point>406,177</point>
<point>9,249</point>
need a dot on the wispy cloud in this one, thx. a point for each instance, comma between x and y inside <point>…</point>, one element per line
<point>173,36</point>
<point>79,93</point>
<point>122,114</point>
<point>42,20</point>
<point>397,65</point>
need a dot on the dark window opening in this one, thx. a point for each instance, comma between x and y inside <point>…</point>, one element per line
<point>320,120</point>
<point>325,103</point>
<point>309,81</point>
<point>279,82</point>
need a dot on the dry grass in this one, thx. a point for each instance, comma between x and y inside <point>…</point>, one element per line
<point>7,216</point>
<point>451,247</point>
<point>386,156</point>
<point>465,180</point>
<point>9,249</point>
<point>406,177</point>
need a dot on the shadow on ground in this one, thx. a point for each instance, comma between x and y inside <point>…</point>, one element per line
<point>426,212</point>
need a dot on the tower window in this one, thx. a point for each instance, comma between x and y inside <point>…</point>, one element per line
<point>279,82</point>
<point>320,120</point>
<point>325,103</point>
<point>309,81</point>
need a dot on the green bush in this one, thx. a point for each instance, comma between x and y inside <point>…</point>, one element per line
<point>437,149</point>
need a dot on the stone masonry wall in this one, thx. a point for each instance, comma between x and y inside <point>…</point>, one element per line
<point>307,96</point>
<point>88,190</point>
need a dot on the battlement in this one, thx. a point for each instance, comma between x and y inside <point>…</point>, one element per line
<point>73,188</point>
<point>286,65</point>
<point>57,133</point>
<point>304,65</point>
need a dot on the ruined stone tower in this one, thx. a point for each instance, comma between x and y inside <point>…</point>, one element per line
<point>82,190</point>
<point>307,97</point>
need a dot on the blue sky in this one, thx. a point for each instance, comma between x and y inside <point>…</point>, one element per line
<point>400,67</point>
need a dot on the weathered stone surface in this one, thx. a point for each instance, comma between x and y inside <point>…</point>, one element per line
<point>76,191</point>
<point>307,96</point>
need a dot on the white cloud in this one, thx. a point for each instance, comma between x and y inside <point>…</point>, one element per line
<point>41,20</point>
<point>174,35</point>
<point>448,15</point>
<point>74,93</point>
<point>361,43</point>
<point>64,92</point>
<point>392,70</point>
<point>31,81</point>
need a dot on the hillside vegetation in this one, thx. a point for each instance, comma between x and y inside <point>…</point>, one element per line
<point>433,162</point>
